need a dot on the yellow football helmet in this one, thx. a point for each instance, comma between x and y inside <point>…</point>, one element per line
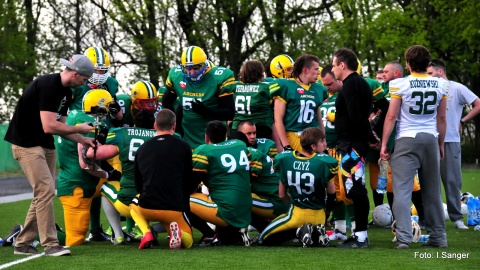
<point>144,96</point>
<point>359,68</point>
<point>97,101</point>
<point>281,66</point>
<point>101,61</point>
<point>319,76</point>
<point>194,63</point>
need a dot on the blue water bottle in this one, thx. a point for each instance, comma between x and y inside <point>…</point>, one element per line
<point>424,238</point>
<point>382,177</point>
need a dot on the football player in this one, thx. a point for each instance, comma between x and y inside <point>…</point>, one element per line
<point>223,167</point>
<point>306,180</point>
<point>203,94</point>
<point>100,79</point>
<point>118,195</point>
<point>78,179</point>
<point>143,96</point>
<point>297,102</point>
<point>252,99</point>
<point>264,145</point>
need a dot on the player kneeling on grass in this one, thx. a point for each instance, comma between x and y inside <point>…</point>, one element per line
<point>304,178</point>
<point>163,169</point>
<point>223,167</point>
<point>124,142</point>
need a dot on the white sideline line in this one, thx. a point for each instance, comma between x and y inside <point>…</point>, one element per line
<point>16,198</point>
<point>3,266</point>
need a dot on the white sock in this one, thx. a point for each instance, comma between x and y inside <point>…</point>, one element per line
<point>113,217</point>
<point>361,236</point>
<point>353,225</point>
<point>341,226</point>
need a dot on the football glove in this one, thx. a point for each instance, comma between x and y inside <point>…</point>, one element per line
<point>199,107</point>
<point>114,108</point>
<point>114,175</point>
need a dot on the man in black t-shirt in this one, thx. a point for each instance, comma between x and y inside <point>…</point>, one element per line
<point>163,177</point>
<point>40,113</point>
<point>354,138</point>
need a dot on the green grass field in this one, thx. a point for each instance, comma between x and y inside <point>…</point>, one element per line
<point>380,255</point>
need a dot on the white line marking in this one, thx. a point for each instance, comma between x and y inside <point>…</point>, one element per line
<point>16,198</point>
<point>3,266</point>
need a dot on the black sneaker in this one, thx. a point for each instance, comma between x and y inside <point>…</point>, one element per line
<point>97,236</point>
<point>352,242</point>
<point>12,236</point>
<point>434,245</point>
<point>25,250</point>
<point>323,240</point>
<point>401,245</point>
<point>209,241</point>
<point>304,234</point>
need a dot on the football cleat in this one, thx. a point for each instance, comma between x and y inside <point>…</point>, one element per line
<point>175,236</point>
<point>134,236</point>
<point>245,237</point>
<point>12,236</point>
<point>118,241</point>
<point>323,240</point>
<point>109,231</point>
<point>304,234</point>
<point>352,242</point>
<point>147,241</point>
<point>97,236</point>
<point>209,241</point>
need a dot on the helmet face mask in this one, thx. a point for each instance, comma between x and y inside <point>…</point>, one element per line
<point>194,64</point>
<point>149,104</point>
<point>144,96</point>
<point>281,66</point>
<point>101,61</point>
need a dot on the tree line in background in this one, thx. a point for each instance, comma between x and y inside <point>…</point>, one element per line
<point>147,37</point>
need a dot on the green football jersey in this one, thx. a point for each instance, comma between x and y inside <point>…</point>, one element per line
<point>267,147</point>
<point>71,174</point>
<point>213,85</point>
<point>111,85</point>
<point>253,102</point>
<point>306,178</point>
<point>327,107</point>
<point>266,180</point>
<point>128,140</point>
<point>376,87</point>
<point>301,103</point>
<point>125,102</point>
<point>227,166</point>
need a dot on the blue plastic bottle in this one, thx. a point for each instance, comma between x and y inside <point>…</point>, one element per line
<point>424,238</point>
<point>382,177</point>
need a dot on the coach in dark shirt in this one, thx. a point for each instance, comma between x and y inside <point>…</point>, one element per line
<point>163,177</point>
<point>354,137</point>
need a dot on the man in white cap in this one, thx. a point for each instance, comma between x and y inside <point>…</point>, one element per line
<point>40,113</point>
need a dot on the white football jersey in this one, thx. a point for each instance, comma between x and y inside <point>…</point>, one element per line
<point>420,94</point>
